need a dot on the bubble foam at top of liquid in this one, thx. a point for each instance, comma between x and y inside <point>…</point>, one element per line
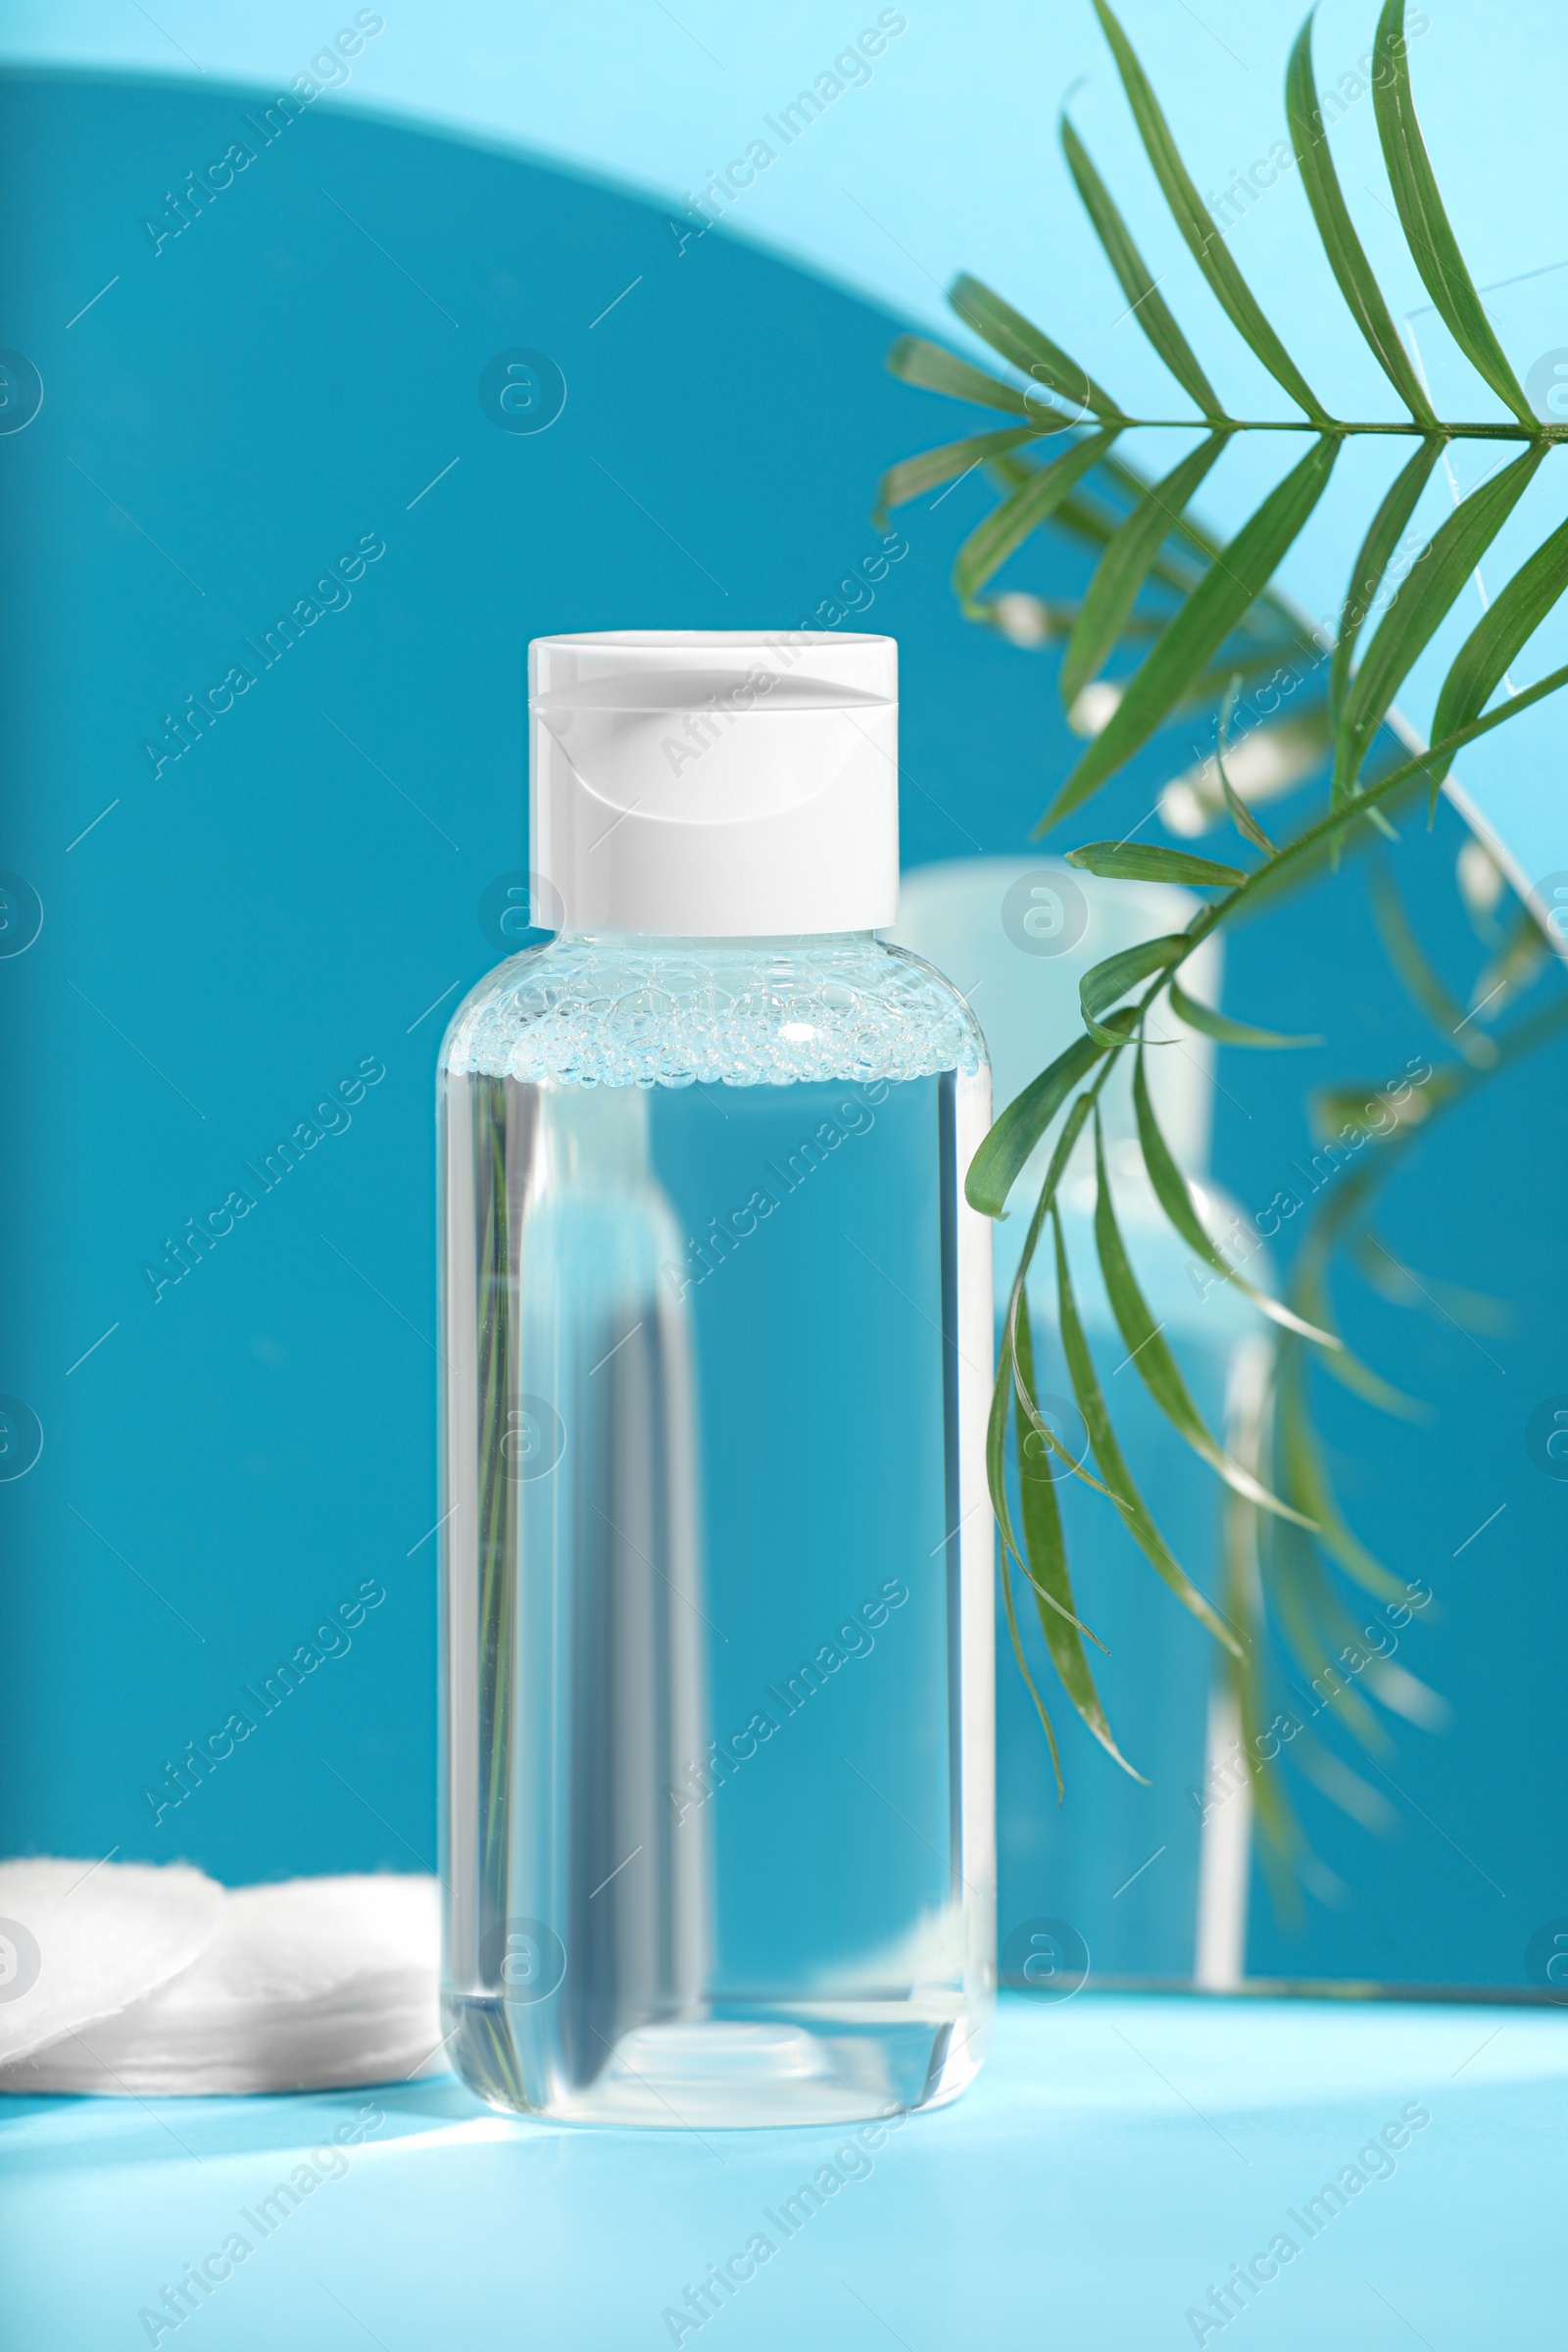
<point>581,1011</point>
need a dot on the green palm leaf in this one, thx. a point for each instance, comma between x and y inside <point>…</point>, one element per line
<point>1170,1190</point>
<point>1048,1562</point>
<point>1156,1366</point>
<point>1021,341</point>
<point>1232,584</point>
<point>999,1162</point>
<point>1372,563</point>
<point>1104,983</point>
<point>1083,517</point>
<point>1113,1469</point>
<point>1134,278</point>
<point>1308,845</point>
<point>1094,525</point>
<point>1022,1663</point>
<point>914,360</point>
<point>1192,218</point>
<point>1137,861</point>
<point>1129,558</point>
<point>1501,634</point>
<point>1230,624</point>
<point>1073,1127</point>
<point>1401,1286</point>
<point>1218,1025</point>
<point>1419,607</point>
<point>1423,983</point>
<point>1298,1585</point>
<point>1241,815</point>
<point>1274,615</point>
<point>916,475</point>
<point>1008,526</point>
<point>997,1480</point>
<point>1347,256</point>
<point>1309,1479</point>
<point>1433,245</point>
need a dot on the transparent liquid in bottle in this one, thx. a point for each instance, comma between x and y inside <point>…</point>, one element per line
<point>716,1553</point>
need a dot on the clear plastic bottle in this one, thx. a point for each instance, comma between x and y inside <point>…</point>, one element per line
<point>716,1353</point>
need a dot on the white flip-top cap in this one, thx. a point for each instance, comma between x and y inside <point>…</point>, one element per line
<point>715,783</point>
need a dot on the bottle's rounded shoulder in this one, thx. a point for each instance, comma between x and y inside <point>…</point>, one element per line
<point>586,1011</point>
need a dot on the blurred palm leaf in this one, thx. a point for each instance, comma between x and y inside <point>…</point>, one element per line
<point>1176,618</point>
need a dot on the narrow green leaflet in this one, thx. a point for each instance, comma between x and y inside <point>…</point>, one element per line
<point>1008,525</point>
<point>1073,1126</point>
<point>1280,1839</point>
<point>1276,615</point>
<point>1132,862</point>
<point>1084,520</point>
<point>1023,1664</point>
<point>1359,1111</point>
<point>914,475</point>
<point>1309,843</point>
<point>996,1167</point>
<point>1501,634</point>
<point>1134,278</point>
<point>1472,1310</point>
<point>1104,983</point>
<point>1258,659</point>
<point>1334,1779</point>
<point>1377,552</point>
<point>1433,245</point>
<point>1048,1563</point>
<point>997,1459</point>
<point>996,1431</point>
<point>930,369</point>
<point>1296,1585</point>
<point>1193,219</point>
<point>1306,1478</point>
<point>1423,983</point>
<point>1210,1024</point>
<point>1019,340</point>
<point>1241,817</point>
<point>1113,1468</point>
<point>1156,1366</point>
<point>997,1480</point>
<point>1126,564</point>
<point>1419,607</point>
<point>1347,256</point>
<point>1336,1622</point>
<point>1007,1372</point>
<point>1170,1190</point>
<point>1232,584</point>
<point>1309,1291</point>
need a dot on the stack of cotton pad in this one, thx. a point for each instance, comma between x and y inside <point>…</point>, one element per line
<point>147,1980</point>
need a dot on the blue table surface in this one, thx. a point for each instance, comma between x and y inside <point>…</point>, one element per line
<point>1117,2157</point>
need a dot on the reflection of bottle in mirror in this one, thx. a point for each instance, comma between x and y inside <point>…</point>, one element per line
<point>716,1319</point>
<point>1152,1878</point>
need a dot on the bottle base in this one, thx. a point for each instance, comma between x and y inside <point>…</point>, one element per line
<point>730,2066</point>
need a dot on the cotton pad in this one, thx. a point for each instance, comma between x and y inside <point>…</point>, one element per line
<point>309,1984</point>
<point>298,1940</point>
<point>81,1940</point>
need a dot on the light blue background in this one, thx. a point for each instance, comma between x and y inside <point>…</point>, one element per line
<point>947,160</point>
